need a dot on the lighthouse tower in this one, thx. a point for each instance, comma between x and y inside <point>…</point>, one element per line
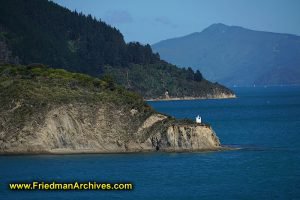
<point>198,119</point>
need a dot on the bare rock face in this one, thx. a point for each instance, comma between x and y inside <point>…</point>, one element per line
<point>99,128</point>
<point>44,110</point>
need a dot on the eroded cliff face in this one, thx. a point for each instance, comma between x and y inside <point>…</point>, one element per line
<point>44,110</point>
<point>99,128</point>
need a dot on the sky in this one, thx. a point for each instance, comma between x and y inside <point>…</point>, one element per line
<point>150,21</point>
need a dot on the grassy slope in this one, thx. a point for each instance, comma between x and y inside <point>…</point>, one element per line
<point>42,84</point>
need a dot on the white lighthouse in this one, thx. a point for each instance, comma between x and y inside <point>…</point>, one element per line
<point>198,119</point>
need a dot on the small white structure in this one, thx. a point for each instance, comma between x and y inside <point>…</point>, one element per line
<point>167,95</point>
<point>198,119</point>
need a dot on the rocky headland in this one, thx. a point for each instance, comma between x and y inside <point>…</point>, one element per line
<point>54,111</point>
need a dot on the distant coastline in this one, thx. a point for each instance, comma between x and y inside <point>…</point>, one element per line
<point>222,96</point>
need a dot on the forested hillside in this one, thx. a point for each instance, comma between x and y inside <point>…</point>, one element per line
<point>53,35</point>
<point>40,31</point>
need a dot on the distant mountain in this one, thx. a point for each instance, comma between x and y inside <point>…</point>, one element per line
<point>234,55</point>
<point>41,31</point>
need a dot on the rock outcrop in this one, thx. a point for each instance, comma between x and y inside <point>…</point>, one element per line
<point>84,128</point>
<point>62,112</point>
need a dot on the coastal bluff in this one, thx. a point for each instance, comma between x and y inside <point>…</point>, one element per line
<point>52,111</point>
<point>84,128</point>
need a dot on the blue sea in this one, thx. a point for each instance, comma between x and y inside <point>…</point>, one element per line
<point>263,122</point>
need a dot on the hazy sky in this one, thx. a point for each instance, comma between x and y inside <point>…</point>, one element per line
<point>150,21</point>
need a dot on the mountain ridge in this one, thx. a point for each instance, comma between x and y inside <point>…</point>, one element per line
<point>224,25</point>
<point>41,31</point>
<point>233,55</point>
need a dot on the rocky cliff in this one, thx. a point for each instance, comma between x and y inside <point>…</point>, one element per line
<point>54,111</point>
<point>79,128</point>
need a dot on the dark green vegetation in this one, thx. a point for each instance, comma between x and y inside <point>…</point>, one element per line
<point>43,85</point>
<point>153,80</point>
<point>234,55</point>
<point>40,31</point>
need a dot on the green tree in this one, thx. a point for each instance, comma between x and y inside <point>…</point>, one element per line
<point>198,76</point>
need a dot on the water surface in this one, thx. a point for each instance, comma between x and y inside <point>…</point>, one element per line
<point>265,122</point>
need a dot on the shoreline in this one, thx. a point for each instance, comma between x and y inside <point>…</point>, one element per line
<point>192,98</point>
<point>82,152</point>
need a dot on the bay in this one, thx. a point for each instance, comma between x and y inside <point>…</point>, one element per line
<point>263,121</point>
